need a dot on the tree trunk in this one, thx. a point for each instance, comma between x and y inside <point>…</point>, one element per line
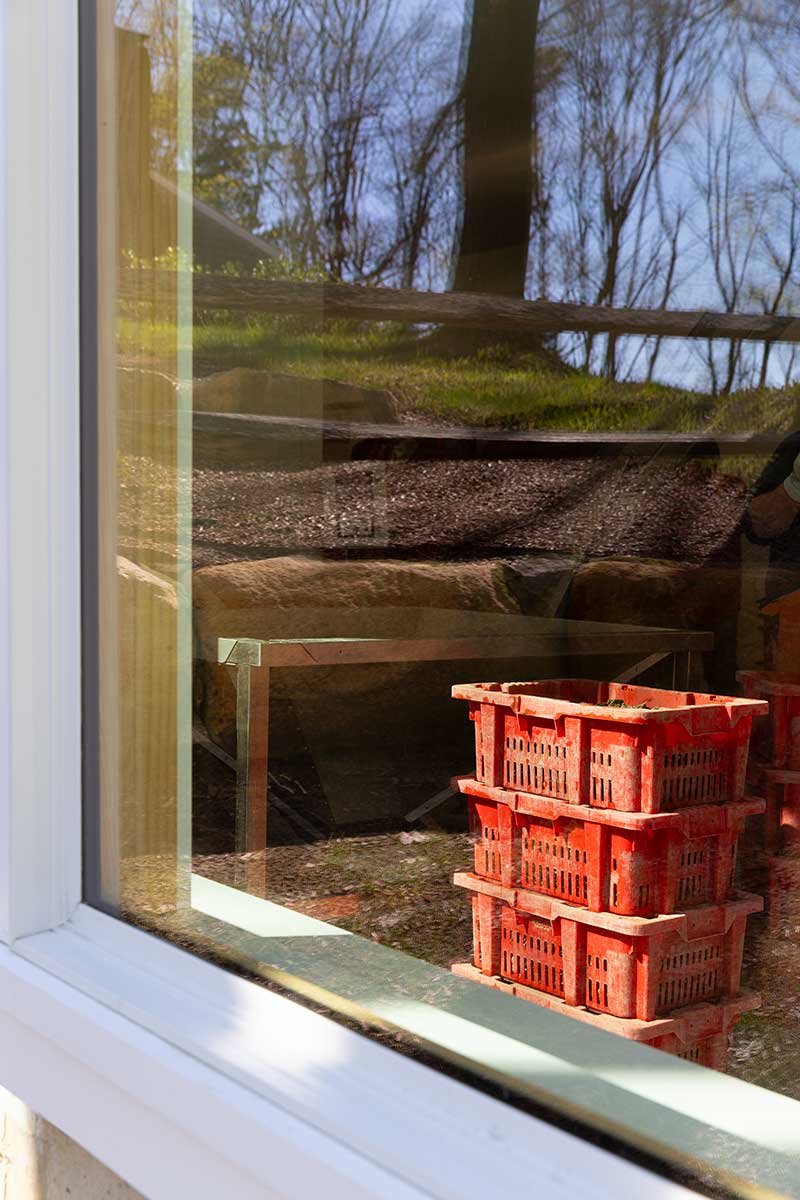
<point>498,87</point>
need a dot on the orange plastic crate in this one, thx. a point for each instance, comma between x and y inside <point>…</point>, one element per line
<point>624,966</point>
<point>635,864</point>
<point>698,1033</point>
<point>782,692</point>
<point>780,828</point>
<point>559,738</point>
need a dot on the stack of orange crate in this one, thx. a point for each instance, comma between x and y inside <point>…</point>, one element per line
<point>775,768</point>
<point>605,820</point>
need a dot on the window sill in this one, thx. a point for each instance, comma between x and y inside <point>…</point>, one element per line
<point>185,1079</point>
<point>216,1068</point>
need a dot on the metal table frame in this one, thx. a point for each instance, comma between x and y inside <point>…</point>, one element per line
<point>252,660</point>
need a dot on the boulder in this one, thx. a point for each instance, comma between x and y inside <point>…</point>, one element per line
<point>304,596</point>
<point>146,407</point>
<point>272,444</point>
<point>634,591</point>
<point>276,394</point>
<point>722,599</point>
<point>140,586</point>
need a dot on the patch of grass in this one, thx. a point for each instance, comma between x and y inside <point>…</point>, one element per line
<point>497,385</point>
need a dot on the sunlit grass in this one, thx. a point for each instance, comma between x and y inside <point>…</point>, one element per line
<point>495,386</point>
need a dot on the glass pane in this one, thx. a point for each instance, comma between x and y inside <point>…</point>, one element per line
<point>440,345</point>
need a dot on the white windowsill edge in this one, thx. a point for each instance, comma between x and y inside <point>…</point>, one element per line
<point>674,1108</point>
<point>103,1030</point>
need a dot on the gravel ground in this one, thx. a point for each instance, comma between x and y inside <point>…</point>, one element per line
<point>588,507</point>
<point>591,507</point>
<point>395,889</point>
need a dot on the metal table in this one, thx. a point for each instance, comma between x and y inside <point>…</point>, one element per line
<point>545,638</point>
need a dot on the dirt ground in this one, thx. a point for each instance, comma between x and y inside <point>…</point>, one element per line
<point>393,888</point>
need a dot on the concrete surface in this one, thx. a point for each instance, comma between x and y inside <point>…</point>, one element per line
<point>39,1162</point>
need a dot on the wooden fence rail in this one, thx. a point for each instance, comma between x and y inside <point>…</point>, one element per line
<point>467,310</point>
<point>349,441</point>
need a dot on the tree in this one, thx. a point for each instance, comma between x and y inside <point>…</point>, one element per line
<point>421,145</point>
<point>227,149</point>
<point>634,77</point>
<point>732,223</point>
<point>498,90</point>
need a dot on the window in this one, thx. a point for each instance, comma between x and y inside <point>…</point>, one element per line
<point>327,480</point>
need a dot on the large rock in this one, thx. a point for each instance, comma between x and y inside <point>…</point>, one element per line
<point>303,596</point>
<point>276,394</point>
<point>721,599</point>
<point>281,446</point>
<point>147,405</point>
<point>373,731</point>
<point>633,591</point>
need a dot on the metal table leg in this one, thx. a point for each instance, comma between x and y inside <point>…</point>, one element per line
<point>685,670</point>
<point>639,668</point>
<point>252,743</point>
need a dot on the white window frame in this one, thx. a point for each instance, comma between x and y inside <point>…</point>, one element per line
<point>182,1078</point>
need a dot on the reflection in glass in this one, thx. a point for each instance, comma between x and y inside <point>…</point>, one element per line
<point>450,344</point>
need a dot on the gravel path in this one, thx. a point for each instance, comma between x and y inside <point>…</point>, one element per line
<point>588,507</point>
